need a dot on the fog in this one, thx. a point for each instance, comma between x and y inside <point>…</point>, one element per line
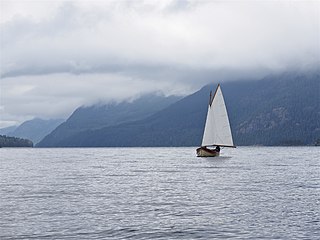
<point>58,55</point>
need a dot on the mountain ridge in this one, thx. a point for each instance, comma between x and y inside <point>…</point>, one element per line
<point>34,129</point>
<point>102,115</point>
<point>264,112</point>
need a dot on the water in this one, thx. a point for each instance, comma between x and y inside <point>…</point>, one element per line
<point>159,193</point>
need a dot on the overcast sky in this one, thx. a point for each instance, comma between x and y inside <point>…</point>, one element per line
<point>58,55</point>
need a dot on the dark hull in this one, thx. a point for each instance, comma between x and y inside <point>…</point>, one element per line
<point>206,152</point>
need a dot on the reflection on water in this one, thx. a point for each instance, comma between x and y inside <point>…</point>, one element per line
<point>159,193</point>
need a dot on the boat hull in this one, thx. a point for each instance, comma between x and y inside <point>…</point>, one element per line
<point>205,152</point>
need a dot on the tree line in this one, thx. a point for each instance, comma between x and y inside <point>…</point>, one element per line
<point>6,141</point>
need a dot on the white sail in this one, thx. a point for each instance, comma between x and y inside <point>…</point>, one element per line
<point>217,129</point>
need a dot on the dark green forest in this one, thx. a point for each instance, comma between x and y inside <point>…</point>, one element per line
<point>6,141</point>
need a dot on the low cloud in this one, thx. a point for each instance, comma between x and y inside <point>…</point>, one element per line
<point>58,95</point>
<point>87,51</point>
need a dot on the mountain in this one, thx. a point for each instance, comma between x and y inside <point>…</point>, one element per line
<point>6,130</point>
<point>277,110</point>
<point>6,141</point>
<point>35,129</point>
<point>103,115</point>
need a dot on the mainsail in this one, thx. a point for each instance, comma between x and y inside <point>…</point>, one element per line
<point>217,129</point>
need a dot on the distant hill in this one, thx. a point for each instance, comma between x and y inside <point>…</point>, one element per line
<point>101,115</point>
<point>6,141</point>
<point>34,129</point>
<point>277,110</point>
<point>6,130</point>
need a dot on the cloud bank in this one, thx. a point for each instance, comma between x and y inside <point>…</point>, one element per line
<point>70,53</point>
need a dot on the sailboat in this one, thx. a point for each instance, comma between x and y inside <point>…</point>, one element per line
<point>217,131</point>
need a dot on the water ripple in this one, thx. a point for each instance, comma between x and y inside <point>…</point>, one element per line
<point>168,193</point>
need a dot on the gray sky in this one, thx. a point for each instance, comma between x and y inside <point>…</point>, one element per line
<point>58,55</point>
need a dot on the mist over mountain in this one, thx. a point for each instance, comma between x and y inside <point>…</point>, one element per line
<point>277,110</point>
<point>6,130</point>
<point>34,129</point>
<point>103,115</point>
<point>59,55</point>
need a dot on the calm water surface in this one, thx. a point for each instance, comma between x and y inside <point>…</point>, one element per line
<point>159,193</point>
